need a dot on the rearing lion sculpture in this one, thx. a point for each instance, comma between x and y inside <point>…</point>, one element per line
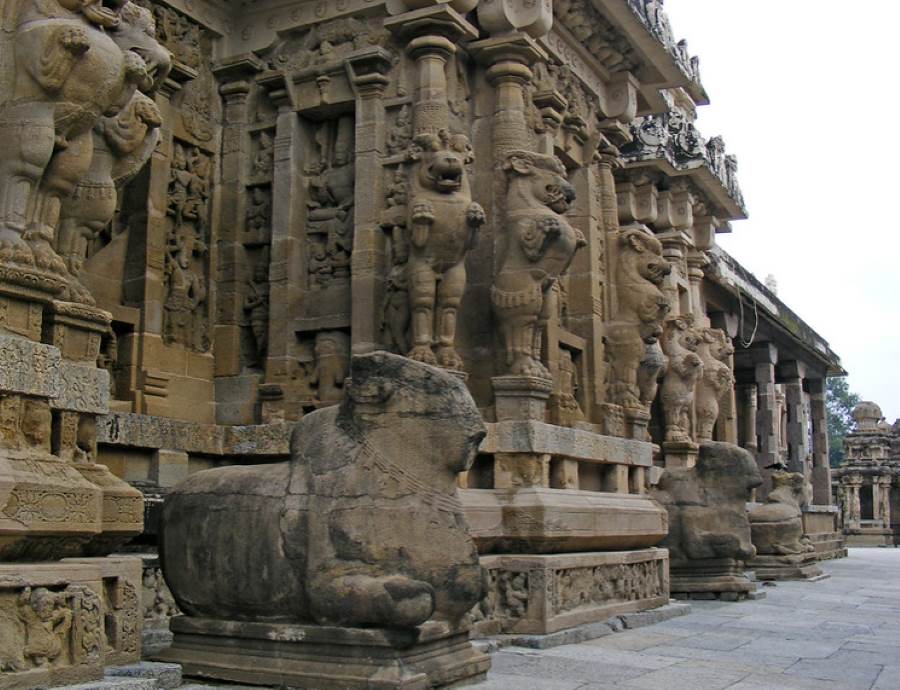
<point>443,224</point>
<point>539,246</point>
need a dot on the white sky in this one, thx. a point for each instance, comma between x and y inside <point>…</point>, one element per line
<point>805,93</point>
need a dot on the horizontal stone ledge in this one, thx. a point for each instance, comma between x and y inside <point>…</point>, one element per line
<point>29,368</point>
<point>565,442</point>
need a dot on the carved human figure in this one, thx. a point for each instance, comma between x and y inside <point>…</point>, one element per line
<point>264,160</point>
<point>256,305</point>
<point>361,528</point>
<point>706,505</point>
<point>442,226</point>
<point>122,145</point>
<point>539,245</point>
<point>332,351</point>
<point>401,133</point>
<point>46,620</point>
<point>680,342</point>
<point>259,212</point>
<point>36,424</point>
<point>10,413</point>
<point>640,309</point>
<point>86,439</point>
<point>570,410</point>
<point>715,350</point>
<point>185,293</point>
<point>777,524</point>
<point>75,61</point>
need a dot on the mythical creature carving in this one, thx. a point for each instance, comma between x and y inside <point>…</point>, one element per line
<point>75,62</point>
<point>680,342</point>
<point>641,307</point>
<point>715,350</point>
<point>361,527</point>
<point>122,145</point>
<point>707,505</point>
<point>539,246</point>
<point>777,525</point>
<point>442,224</point>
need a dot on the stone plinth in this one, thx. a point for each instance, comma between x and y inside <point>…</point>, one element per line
<point>329,658</point>
<point>802,566</point>
<point>712,578</point>
<point>542,594</point>
<point>820,525</point>
<point>680,454</point>
<point>62,622</point>
<point>540,520</point>
<point>521,397</point>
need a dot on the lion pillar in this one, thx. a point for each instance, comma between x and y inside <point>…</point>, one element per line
<point>442,221</point>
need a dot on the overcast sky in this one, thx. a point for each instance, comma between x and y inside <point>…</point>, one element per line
<point>805,93</point>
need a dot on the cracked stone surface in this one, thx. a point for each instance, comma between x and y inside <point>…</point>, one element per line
<point>842,633</point>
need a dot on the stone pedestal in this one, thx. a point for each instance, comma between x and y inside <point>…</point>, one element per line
<point>518,398</point>
<point>713,578</point>
<point>820,525</point>
<point>327,658</point>
<point>542,594</point>
<point>802,566</point>
<point>680,455</point>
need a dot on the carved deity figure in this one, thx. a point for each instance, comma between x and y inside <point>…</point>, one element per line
<point>329,218</point>
<point>640,309</point>
<point>332,352</point>
<point>259,212</point>
<point>75,62</point>
<point>680,342</point>
<point>257,307</point>
<point>401,133</point>
<point>442,225</point>
<point>777,524</point>
<point>539,245</point>
<point>185,293</point>
<point>47,620</point>
<point>715,350</point>
<point>86,439</point>
<point>360,528</point>
<point>122,146</point>
<point>707,505</point>
<point>36,424</point>
<point>569,409</point>
<point>264,160</point>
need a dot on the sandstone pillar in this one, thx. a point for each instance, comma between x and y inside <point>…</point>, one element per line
<point>821,470</point>
<point>748,402</point>
<point>767,416</point>
<point>882,503</point>
<point>797,423</point>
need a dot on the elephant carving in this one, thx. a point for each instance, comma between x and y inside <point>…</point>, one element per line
<point>361,527</point>
<point>75,61</point>
<point>443,222</point>
<point>538,246</point>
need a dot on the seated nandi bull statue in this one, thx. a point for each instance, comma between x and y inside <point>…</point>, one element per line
<point>75,61</point>
<point>361,528</point>
<point>539,245</point>
<point>777,524</point>
<point>443,225</point>
<point>709,533</point>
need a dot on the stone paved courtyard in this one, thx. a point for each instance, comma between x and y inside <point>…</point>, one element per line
<point>841,633</point>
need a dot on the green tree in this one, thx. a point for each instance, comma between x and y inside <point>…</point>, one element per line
<point>839,402</point>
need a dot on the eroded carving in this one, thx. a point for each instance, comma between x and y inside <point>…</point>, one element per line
<point>680,342</point>
<point>713,387</point>
<point>540,244</point>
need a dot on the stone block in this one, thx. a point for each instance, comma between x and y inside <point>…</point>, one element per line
<point>538,520</point>
<point>82,389</point>
<point>168,467</point>
<point>326,658</point>
<point>542,594</point>
<point>29,368</point>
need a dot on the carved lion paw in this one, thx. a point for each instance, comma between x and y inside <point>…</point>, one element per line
<point>449,358</point>
<point>422,212</point>
<point>422,353</point>
<point>550,226</point>
<point>412,601</point>
<point>528,366</point>
<point>475,216</point>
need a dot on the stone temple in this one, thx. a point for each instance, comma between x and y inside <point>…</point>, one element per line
<point>335,333</point>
